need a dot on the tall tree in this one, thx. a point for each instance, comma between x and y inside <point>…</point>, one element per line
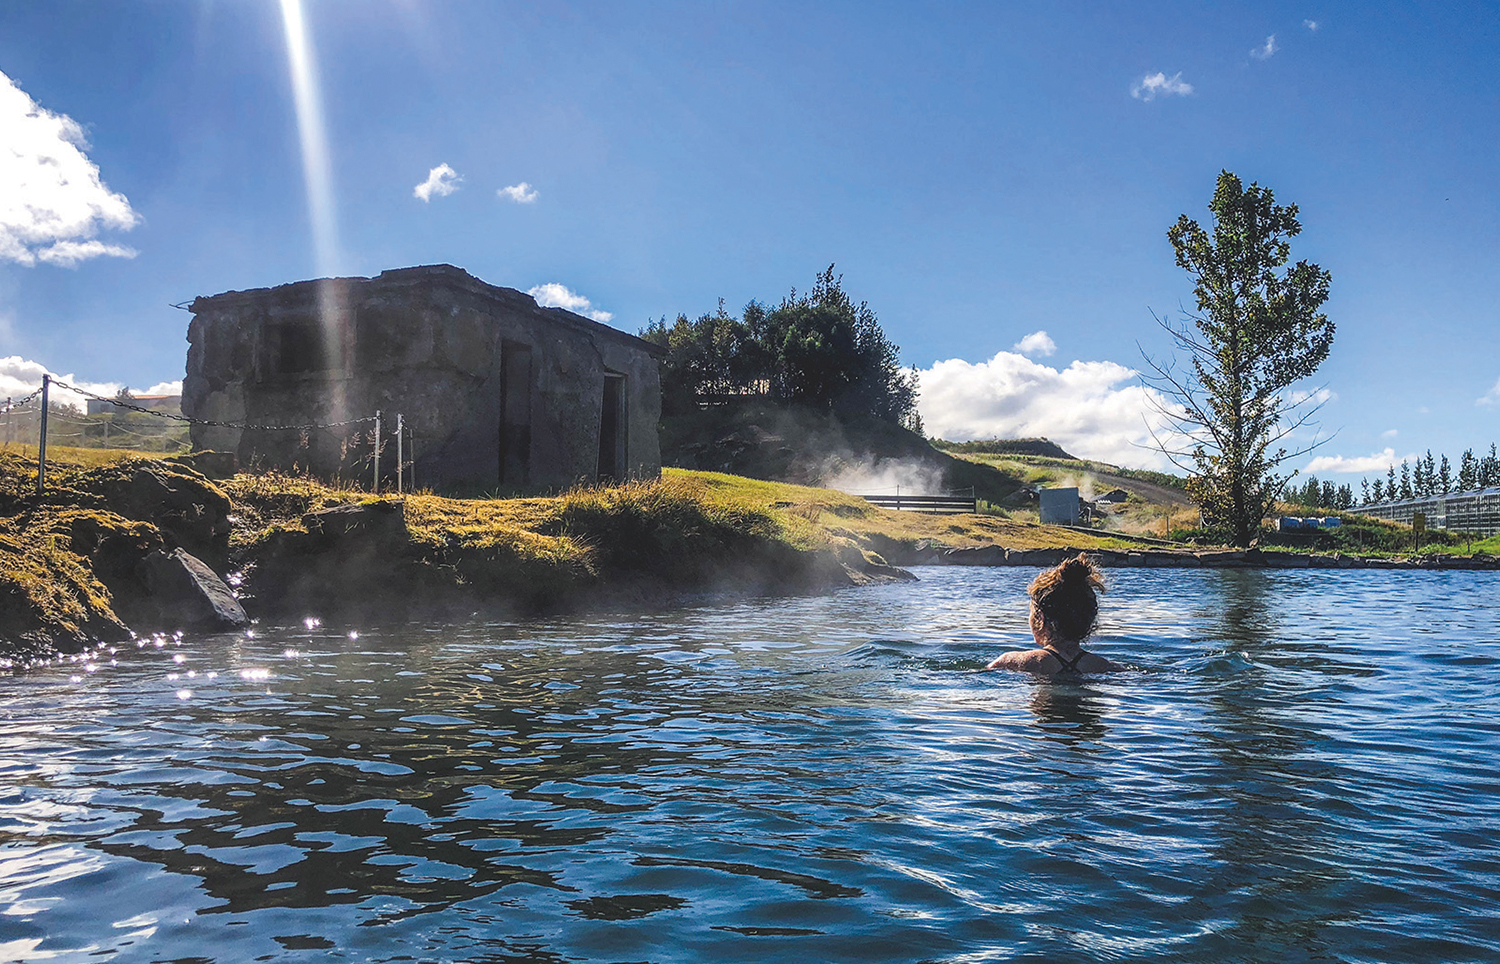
<point>1328,498</point>
<point>1258,331</point>
<point>1390,482</point>
<point>1406,489</point>
<point>1468,471</point>
<point>1311,490</point>
<point>1378,491</point>
<point>1364,491</point>
<point>1445,476</point>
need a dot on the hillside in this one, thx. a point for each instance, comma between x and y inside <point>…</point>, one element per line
<point>762,440</point>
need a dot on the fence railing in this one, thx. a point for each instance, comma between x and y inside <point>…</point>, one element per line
<point>952,503</point>
<point>42,395</point>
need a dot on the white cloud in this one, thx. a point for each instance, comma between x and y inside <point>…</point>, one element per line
<point>20,377</point>
<point>441,180</point>
<point>1377,462</point>
<point>163,388</point>
<point>554,295</point>
<point>1311,25</point>
<point>69,253</point>
<point>1491,397</point>
<point>1389,433</point>
<point>1036,343</point>
<point>1082,407</point>
<point>1317,396</point>
<point>52,200</point>
<point>522,193</point>
<point>1159,83</point>
<point>1265,51</point>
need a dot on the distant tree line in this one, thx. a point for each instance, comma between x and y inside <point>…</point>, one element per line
<point>817,349</point>
<point>1322,495</point>
<point>1429,477</point>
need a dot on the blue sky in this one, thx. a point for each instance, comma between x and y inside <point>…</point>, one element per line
<point>978,173</point>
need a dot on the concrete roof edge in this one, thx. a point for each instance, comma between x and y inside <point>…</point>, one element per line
<point>455,276</point>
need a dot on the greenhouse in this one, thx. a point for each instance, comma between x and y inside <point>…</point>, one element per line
<point>1477,511</point>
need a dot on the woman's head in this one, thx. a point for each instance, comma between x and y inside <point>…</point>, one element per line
<point>1063,599</point>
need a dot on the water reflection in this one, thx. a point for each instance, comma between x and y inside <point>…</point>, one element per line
<point>1072,713</point>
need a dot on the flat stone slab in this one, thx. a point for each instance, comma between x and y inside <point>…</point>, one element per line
<point>187,594</point>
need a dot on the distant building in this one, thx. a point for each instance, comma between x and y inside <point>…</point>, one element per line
<point>1476,511</point>
<point>168,404</point>
<point>496,392</point>
<point>1059,506</point>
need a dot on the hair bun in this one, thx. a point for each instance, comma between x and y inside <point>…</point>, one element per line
<point>1077,569</point>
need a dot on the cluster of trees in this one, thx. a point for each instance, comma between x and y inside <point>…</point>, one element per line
<point>817,349</point>
<point>1323,495</point>
<point>1428,477</point>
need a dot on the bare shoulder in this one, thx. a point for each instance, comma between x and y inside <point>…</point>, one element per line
<point>1094,663</point>
<point>1020,661</point>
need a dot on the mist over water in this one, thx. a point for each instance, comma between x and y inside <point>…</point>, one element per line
<point>1300,768</point>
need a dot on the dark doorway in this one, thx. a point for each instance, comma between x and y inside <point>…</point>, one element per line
<point>515,413</point>
<point>612,429</point>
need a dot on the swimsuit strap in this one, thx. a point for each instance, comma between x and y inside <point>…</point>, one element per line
<point>1068,665</point>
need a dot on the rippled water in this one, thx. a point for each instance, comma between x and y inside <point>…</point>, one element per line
<point>1302,768</point>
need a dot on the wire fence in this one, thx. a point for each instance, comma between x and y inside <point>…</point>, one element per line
<point>404,468</point>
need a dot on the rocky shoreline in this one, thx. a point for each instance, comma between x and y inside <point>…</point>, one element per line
<point>144,546</point>
<point>148,546</point>
<point>1194,559</point>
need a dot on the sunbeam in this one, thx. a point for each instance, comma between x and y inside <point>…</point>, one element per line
<point>315,166</point>
<point>318,174</point>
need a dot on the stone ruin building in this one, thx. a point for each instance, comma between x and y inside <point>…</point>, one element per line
<point>497,393</point>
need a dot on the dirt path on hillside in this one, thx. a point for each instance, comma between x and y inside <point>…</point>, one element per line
<point>1149,491</point>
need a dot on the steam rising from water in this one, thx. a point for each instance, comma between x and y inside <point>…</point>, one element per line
<point>886,476</point>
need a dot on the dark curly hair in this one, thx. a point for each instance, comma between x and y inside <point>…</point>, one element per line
<point>1065,597</point>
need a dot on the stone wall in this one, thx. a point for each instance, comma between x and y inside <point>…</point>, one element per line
<point>432,344</point>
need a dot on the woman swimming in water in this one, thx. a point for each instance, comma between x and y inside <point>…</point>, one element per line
<point>1063,610</point>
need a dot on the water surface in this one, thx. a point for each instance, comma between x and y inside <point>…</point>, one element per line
<point>1301,768</point>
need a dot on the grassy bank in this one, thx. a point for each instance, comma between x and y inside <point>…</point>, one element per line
<point>69,560</point>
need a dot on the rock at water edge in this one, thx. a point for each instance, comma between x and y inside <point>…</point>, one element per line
<point>188,593</point>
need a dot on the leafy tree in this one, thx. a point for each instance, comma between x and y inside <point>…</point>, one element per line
<point>1429,475</point>
<point>1406,490</point>
<point>1378,491</point>
<point>1390,482</point>
<point>1364,491</point>
<point>1311,491</point>
<point>817,349</point>
<point>1258,331</point>
<point>1468,471</point>
<point>1329,497</point>
<point>1445,476</point>
<point>1346,497</point>
<point>1489,469</point>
